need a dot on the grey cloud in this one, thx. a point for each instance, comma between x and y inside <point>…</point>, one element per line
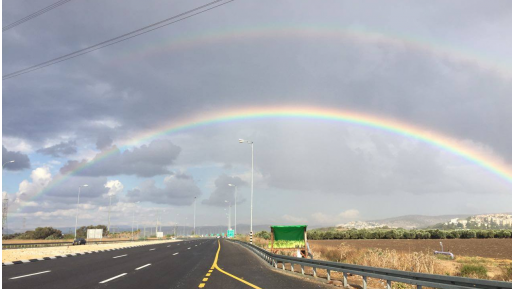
<point>21,161</point>
<point>103,142</point>
<point>179,190</point>
<point>224,192</point>
<point>62,149</point>
<point>145,161</point>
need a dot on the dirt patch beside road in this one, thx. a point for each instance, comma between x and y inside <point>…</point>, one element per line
<point>35,253</point>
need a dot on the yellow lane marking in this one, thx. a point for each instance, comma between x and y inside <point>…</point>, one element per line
<point>215,265</point>
<point>210,271</point>
<point>205,279</point>
<point>201,285</point>
<point>208,274</point>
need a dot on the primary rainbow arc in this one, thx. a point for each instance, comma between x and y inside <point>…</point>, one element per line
<point>433,138</point>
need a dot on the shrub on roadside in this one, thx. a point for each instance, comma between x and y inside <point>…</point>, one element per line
<point>473,271</point>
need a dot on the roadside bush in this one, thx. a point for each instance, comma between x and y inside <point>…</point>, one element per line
<point>473,271</point>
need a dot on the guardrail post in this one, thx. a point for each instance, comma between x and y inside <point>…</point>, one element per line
<point>283,265</point>
<point>389,284</point>
<point>328,275</point>
<point>364,282</point>
<point>292,267</point>
<point>345,280</point>
<point>275,262</point>
<point>303,270</point>
<point>314,272</point>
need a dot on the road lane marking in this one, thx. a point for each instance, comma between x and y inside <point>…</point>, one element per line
<point>175,254</point>
<point>205,279</point>
<point>143,266</point>
<point>105,281</point>
<point>189,248</point>
<point>201,285</point>
<point>152,249</point>
<point>215,265</point>
<point>119,256</point>
<point>168,245</point>
<point>208,274</point>
<point>30,275</point>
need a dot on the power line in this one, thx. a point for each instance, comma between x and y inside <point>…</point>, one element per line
<point>126,36</point>
<point>35,14</point>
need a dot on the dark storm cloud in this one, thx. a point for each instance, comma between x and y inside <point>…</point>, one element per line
<point>62,149</point>
<point>145,161</point>
<point>21,161</point>
<point>224,192</point>
<point>376,78</point>
<point>179,189</point>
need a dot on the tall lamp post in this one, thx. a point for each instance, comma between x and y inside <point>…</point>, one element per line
<point>133,217</point>
<point>194,218</point>
<point>251,192</point>
<point>77,215</point>
<point>235,207</point>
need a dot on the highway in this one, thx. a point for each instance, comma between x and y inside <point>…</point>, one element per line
<point>207,263</point>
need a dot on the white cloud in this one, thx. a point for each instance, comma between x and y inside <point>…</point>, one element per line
<point>16,144</point>
<point>41,177</point>
<point>115,187</point>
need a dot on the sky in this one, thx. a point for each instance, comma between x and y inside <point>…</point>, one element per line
<point>440,67</point>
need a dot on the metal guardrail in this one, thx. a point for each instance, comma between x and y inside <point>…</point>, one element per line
<point>56,244</point>
<point>389,275</point>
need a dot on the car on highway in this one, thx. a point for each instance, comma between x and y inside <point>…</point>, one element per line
<point>79,241</point>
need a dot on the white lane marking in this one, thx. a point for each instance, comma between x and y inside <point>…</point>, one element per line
<point>105,281</point>
<point>175,254</point>
<point>168,246</point>
<point>30,274</point>
<point>189,248</point>
<point>119,256</point>
<point>143,266</point>
<point>196,245</point>
<point>152,249</point>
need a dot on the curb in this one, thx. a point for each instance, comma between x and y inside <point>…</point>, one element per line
<point>67,255</point>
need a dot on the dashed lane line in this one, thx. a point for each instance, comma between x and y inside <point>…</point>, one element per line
<point>143,266</point>
<point>30,274</point>
<point>175,254</point>
<point>151,249</point>
<point>119,256</point>
<point>105,281</point>
<point>189,248</point>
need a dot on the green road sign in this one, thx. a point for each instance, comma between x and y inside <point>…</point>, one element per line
<point>230,233</point>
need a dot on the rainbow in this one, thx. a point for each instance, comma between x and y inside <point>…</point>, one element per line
<point>502,67</point>
<point>438,140</point>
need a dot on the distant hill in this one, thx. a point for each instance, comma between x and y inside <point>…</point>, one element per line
<point>417,221</point>
<point>406,222</point>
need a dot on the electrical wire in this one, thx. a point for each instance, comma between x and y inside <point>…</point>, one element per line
<point>35,14</point>
<point>126,36</point>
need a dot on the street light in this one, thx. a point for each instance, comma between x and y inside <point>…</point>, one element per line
<point>77,216</point>
<point>235,207</point>
<point>194,217</point>
<point>251,192</point>
<point>7,163</point>
<point>133,217</point>
<point>229,227</point>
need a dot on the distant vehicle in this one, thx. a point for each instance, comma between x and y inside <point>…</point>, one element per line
<point>79,241</point>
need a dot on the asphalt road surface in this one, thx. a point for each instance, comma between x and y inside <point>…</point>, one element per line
<point>206,263</point>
